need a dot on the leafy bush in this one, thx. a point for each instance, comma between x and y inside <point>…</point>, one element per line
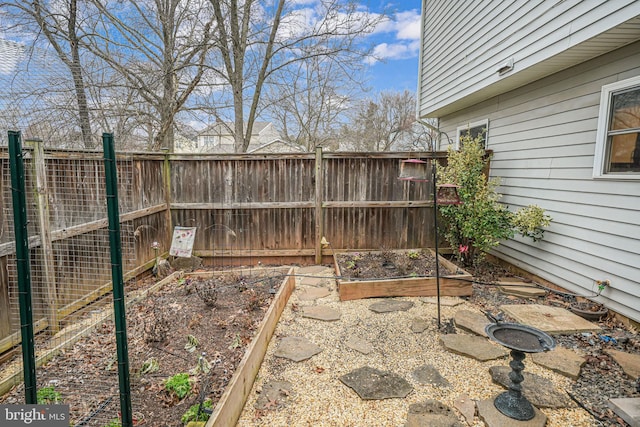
<point>481,221</point>
<point>179,384</point>
<point>191,414</point>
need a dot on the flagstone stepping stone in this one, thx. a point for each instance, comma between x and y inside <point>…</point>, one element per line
<point>552,320</point>
<point>419,325</point>
<point>433,414</point>
<point>494,418</point>
<point>311,294</point>
<point>390,305</point>
<point>630,363</point>
<point>273,395</point>
<point>520,289</point>
<point>296,349</point>
<point>471,321</point>
<point>321,312</point>
<point>428,374</point>
<point>561,360</point>
<point>538,390</point>
<point>466,406</point>
<point>359,345</point>
<point>444,301</point>
<point>372,384</point>
<point>628,409</point>
<point>473,346</point>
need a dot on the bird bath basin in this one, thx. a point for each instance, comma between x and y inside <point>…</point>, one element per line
<point>520,339</point>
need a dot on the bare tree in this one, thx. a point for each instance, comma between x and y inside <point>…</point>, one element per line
<point>311,101</point>
<point>159,48</point>
<point>58,23</point>
<point>256,41</point>
<point>383,122</point>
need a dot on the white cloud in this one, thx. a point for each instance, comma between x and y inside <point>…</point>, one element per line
<point>404,29</point>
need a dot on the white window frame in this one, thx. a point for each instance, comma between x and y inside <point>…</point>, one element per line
<point>604,114</point>
<point>460,129</point>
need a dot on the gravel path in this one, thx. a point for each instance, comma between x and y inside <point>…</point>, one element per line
<point>317,396</point>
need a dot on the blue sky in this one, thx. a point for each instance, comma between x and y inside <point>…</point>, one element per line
<point>397,43</point>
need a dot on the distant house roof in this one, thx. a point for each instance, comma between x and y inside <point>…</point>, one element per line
<point>226,128</point>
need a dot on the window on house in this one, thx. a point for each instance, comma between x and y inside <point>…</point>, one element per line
<point>618,138</point>
<point>475,130</point>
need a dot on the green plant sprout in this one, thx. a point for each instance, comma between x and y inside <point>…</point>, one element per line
<point>413,254</point>
<point>48,396</point>
<point>179,384</point>
<point>113,423</point>
<point>192,414</point>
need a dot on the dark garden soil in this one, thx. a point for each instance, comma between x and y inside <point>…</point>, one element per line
<point>168,333</point>
<point>389,264</point>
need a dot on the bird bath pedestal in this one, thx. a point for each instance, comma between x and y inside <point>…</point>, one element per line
<point>520,339</point>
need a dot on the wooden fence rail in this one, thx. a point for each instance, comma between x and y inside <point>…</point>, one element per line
<point>269,207</point>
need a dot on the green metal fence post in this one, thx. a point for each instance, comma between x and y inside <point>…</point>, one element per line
<point>111,178</point>
<point>23,267</point>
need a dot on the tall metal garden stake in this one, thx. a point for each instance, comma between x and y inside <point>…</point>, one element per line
<point>111,177</point>
<point>22,266</point>
<point>435,229</point>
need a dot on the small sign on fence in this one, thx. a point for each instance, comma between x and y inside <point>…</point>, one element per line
<point>182,241</point>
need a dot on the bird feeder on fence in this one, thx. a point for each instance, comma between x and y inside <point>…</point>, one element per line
<point>447,194</point>
<point>413,170</point>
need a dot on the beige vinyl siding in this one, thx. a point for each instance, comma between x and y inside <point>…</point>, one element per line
<point>543,138</point>
<point>466,42</point>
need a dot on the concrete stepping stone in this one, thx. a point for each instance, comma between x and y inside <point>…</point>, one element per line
<point>321,312</point>
<point>628,409</point>
<point>561,360</point>
<point>473,346</point>
<point>538,390</point>
<point>273,395</point>
<point>494,418</point>
<point>552,320</point>
<point>630,363</point>
<point>471,321</point>
<point>419,325</point>
<point>312,294</point>
<point>372,384</point>
<point>466,406</point>
<point>390,305</point>
<point>359,345</point>
<point>428,374</point>
<point>444,301</point>
<point>433,414</point>
<point>296,349</point>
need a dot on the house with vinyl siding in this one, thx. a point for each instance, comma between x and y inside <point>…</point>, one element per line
<point>554,86</point>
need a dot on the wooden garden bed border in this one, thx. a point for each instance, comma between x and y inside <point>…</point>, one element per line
<point>230,406</point>
<point>410,287</point>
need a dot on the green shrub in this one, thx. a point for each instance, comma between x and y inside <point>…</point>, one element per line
<point>481,221</point>
<point>191,414</point>
<point>179,384</point>
<point>48,396</point>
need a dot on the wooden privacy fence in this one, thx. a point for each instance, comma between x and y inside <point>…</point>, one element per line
<point>269,207</point>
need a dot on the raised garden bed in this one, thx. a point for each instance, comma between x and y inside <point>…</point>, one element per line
<point>409,273</point>
<point>231,324</point>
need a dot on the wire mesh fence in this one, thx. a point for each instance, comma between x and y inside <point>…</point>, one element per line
<point>70,268</point>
